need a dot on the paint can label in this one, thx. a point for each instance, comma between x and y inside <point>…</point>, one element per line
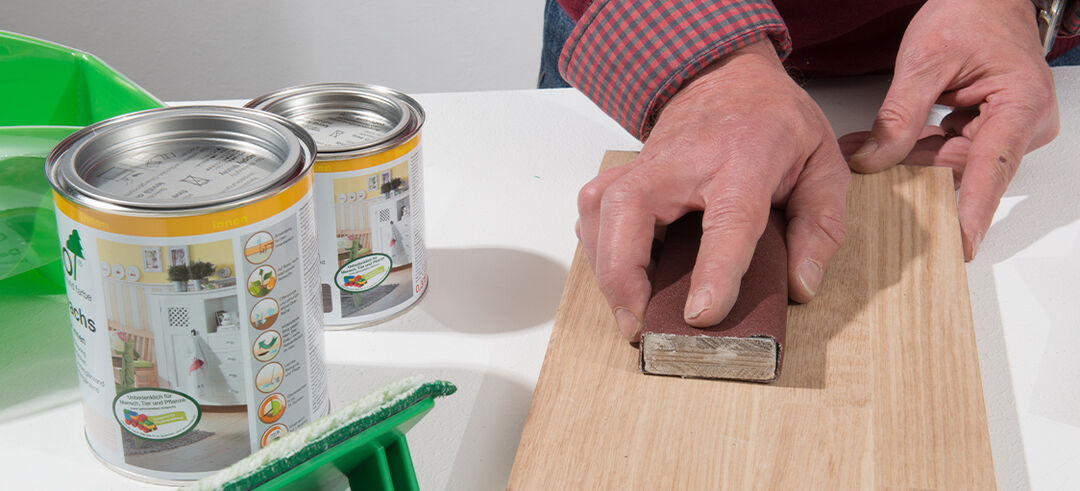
<point>372,234</point>
<point>182,377</point>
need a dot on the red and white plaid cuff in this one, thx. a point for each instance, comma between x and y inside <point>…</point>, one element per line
<point>631,56</point>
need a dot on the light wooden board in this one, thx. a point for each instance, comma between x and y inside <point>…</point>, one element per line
<point>880,388</point>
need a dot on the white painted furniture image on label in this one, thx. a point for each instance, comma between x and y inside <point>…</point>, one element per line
<point>186,328</point>
<point>389,219</point>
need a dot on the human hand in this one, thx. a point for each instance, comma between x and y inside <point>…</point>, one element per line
<point>985,59</point>
<point>740,138</point>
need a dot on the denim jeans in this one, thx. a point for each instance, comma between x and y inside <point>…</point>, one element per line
<point>557,27</point>
<point>1068,58</point>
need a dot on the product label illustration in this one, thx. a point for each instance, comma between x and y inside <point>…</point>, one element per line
<point>195,350</point>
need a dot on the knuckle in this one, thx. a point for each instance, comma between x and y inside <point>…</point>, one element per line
<point>894,115</point>
<point>589,197</point>
<point>922,59</point>
<point>728,216</point>
<point>833,227</point>
<point>614,281</point>
<point>608,280</point>
<point>626,190</point>
<point>837,171</point>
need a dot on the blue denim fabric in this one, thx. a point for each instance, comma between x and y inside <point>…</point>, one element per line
<point>1070,57</point>
<point>557,27</point>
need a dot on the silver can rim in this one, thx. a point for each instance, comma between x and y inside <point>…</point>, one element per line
<point>402,133</point>
<point>300,162</point>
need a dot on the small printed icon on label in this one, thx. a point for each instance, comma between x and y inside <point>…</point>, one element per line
<point>273,433</point>
<point>261,281</point>
<point>272,408</point>
<point>267,346</point>
<point>269,377</point>
<point>264,313</point>
<point>259,247</point>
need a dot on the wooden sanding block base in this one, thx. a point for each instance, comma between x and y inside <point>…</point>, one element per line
<point>748,344</point>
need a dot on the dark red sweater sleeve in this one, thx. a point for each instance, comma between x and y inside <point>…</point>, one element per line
<point>574,8</point>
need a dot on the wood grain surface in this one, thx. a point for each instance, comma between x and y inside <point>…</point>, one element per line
<point>880,388</point>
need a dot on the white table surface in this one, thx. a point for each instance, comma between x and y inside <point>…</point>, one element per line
<point>502,173</point>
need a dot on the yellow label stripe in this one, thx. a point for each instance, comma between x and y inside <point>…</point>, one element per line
<point>369,160</point>
<point>185,225</point>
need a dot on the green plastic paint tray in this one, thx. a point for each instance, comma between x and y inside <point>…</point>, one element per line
<point>47,92</point>
<point>46,84</point>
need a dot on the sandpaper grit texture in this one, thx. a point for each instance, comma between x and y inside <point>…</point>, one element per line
<point>748,343</point>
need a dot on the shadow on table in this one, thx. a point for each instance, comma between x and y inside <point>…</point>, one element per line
<point>492,290</point>
<point>470,438</point>
<point>1048,204</point>
<point>848,286</point>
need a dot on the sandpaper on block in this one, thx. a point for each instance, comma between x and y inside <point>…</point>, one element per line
<point>748,344</point>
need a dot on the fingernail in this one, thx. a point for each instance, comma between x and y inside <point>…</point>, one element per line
<point>975,241</point>
<point>810,276</point>
<point>698,303</point>
<point>629,324</point>
<point>864,151</point>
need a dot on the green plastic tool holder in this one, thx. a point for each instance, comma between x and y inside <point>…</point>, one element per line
<point>376,459</point>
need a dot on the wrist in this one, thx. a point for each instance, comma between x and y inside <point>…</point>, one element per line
<point>756,58</point>
<point>1025,11</point>
<point>1016,20</point>
<point>1018,8</point>
<point>760,54</point>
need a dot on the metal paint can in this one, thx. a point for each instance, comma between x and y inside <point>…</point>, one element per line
<point>368,196</point>
<point>182,376</point>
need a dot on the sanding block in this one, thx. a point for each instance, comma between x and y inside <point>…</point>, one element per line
<point>749,343</point>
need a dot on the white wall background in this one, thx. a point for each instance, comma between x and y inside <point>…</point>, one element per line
<point>199,49</point>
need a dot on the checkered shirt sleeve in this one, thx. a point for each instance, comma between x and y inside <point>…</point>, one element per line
<point>631,56</point>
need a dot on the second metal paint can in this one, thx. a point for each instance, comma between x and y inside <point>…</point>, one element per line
<point>369,196</point>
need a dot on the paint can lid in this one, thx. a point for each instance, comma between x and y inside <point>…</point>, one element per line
<point>347,120</point>
<point>180,159</point>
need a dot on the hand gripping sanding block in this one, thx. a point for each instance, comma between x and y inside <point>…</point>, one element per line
<point>749,343</point>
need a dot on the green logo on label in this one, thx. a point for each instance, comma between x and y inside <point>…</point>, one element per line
<point>72,252</point>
